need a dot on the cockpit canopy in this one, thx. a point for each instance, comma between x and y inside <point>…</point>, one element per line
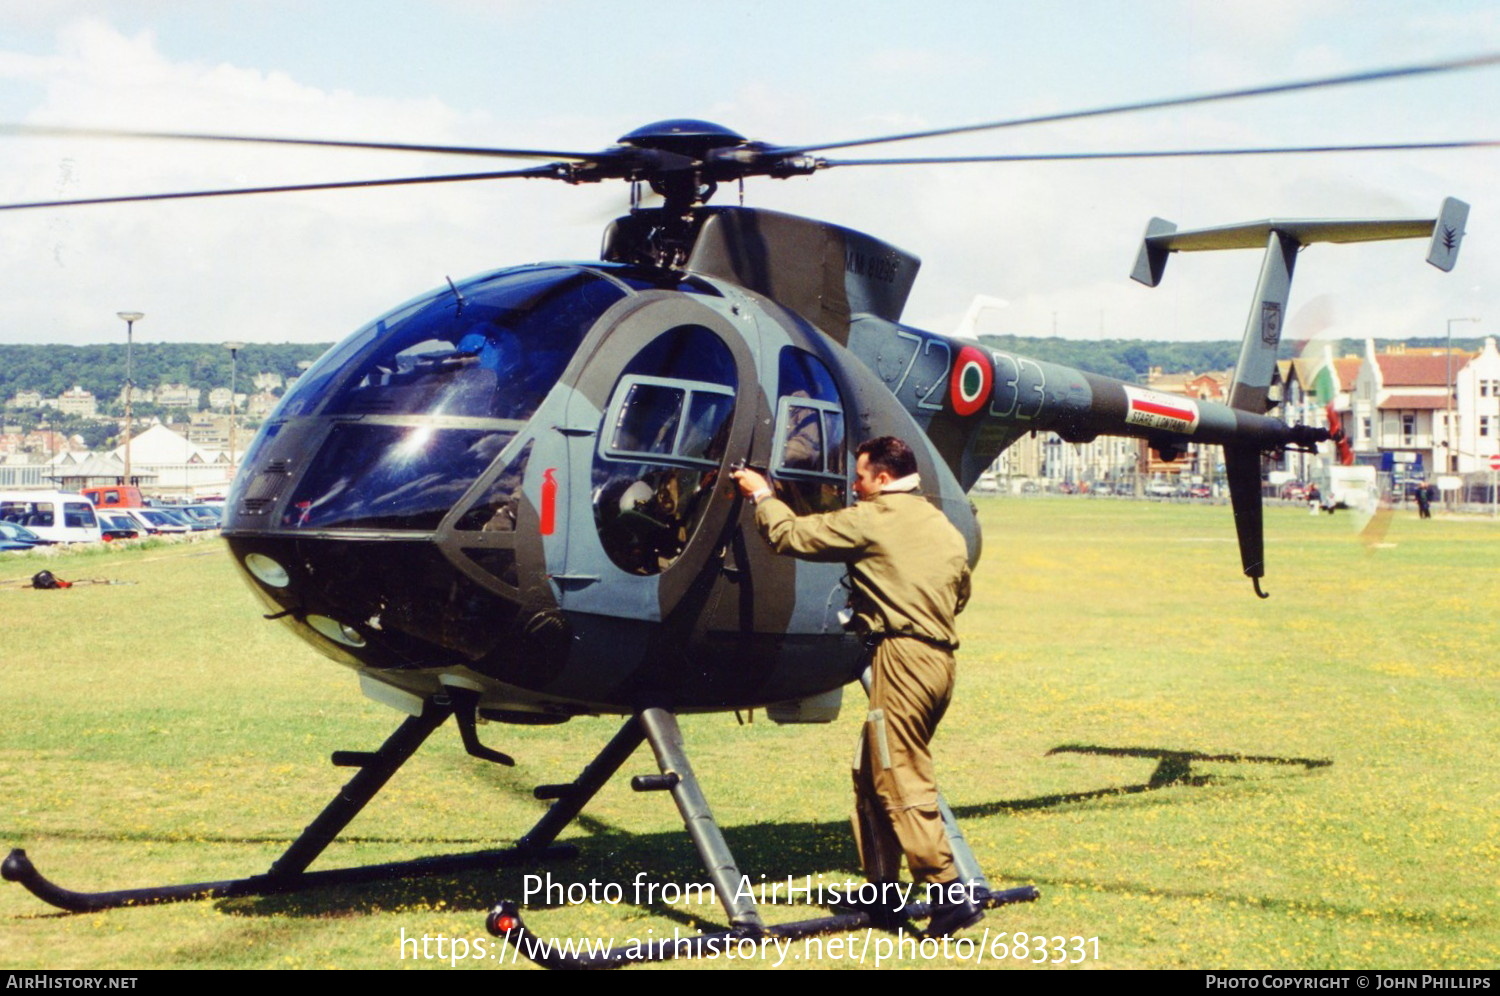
<point>491,347</point>
<point>423,399</point>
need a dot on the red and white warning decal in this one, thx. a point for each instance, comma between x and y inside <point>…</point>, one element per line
<point>1155,410</point>
<point>969,387</point>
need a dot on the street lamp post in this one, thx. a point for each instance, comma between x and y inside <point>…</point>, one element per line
<point>129,318</point>
<point>1448,404</point>
<point>234,415</point>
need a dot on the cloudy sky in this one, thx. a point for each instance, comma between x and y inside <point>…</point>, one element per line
<point>1056,241</point>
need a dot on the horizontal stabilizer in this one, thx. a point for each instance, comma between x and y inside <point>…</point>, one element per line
<point>1162,237</point>
<point>1253,234</point>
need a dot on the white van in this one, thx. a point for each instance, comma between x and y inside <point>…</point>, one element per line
<point>55,516</point>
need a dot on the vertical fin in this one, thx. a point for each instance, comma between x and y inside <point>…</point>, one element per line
<point>1151,262</point>
<point>1250,392</point>
<point>1242,467</point>
<point>1257,362</point>
<point>1447,234</point>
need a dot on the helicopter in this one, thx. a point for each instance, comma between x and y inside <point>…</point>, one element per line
<point>508,499</point>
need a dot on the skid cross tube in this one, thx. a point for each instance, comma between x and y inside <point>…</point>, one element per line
<point>289,872</point>
<point>573,797</point>
<point>370,779</point>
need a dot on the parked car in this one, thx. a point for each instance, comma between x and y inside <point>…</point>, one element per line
<point>152,521</point>
<point>212,517</point>
<point>14,537</point>
<point>177,515</point>
<point>19,537</point>
<point>117,526</point>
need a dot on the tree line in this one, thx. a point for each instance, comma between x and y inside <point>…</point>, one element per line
<point>100,369</point>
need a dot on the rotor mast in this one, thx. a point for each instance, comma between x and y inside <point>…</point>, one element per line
<point>684,160</point>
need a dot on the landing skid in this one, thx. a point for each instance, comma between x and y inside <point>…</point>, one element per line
<point>289,873</point>
<point>659,727</point>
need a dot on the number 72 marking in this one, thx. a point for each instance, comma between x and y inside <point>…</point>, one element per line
<point>920,348</point>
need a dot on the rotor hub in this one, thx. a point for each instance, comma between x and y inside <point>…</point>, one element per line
<point>683,137</point>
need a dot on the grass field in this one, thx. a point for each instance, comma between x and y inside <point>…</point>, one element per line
<point>160,731</point>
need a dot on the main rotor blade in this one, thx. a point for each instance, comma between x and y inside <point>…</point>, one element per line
<point>1160,153</point>
<point>1369,76</point>
<point>56,131</point>
<point>534,172</point>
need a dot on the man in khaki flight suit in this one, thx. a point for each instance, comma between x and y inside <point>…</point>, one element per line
<point>910,572</point>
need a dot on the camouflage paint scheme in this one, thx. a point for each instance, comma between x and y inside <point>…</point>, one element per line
<point>539,617</point>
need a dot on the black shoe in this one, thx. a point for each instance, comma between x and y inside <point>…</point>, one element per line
<point>881,915</point>
<point>949,917</point>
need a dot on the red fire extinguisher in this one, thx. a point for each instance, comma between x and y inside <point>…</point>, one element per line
<point>549,501</point>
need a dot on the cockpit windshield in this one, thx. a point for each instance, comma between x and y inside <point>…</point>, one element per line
<point>423,400</point>
<point>490,347</point>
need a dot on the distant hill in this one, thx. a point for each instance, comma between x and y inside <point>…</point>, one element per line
<point>1124,359</point>
<point>101,369</point>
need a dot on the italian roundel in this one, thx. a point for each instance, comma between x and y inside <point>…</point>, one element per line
<point>972,379</point>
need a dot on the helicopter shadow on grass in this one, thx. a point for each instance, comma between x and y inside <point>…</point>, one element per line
<point>607,855</point>
<point>279,839</point>
<point>766,853</point>
<point>1173,770</point>
<point>1309,908</point>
